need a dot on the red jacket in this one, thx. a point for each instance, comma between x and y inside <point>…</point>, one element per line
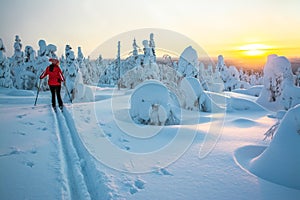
<point>55,76</point>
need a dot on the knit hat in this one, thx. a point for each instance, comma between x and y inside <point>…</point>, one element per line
<point>54,61</point>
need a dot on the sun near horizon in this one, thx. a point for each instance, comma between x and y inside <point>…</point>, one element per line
<point>254,55</point>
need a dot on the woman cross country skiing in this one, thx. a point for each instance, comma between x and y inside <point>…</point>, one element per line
<point>54,81</point>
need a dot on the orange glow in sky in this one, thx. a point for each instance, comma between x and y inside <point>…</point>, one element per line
<point>246,31</point>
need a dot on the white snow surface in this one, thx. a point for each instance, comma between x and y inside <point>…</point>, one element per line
<point>280,162</point>
<point>93,150</point>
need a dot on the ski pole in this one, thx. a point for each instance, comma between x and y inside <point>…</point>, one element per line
<point>67,91</point>
<point>37,93</point>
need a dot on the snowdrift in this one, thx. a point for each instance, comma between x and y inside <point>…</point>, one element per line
<point>253,91</point>
<point>278,163</point>
<point>244,104</point>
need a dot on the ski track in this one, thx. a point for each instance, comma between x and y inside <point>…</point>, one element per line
<point>83,180</point>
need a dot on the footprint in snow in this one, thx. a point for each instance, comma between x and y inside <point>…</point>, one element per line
<point>33,151</point>
<point>108,134</point>
<point>20,133</point>
<point>87,119</point>
<point>163,172</point>
<point>21,116</point>
<point>14,151</point>
<point>29,164</point>
<point>43,129</point>
<point>127,148</point>
<point>123,140</point>
<point>133,190</point>
<point>138,184</point>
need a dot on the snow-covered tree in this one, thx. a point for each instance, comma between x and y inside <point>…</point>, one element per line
<point>5,74</point>
<point>139,74</point>
<point>135,49</point>
<point>194,96</point>
<point>230,76</point>
<point>70,69</point>
<point>152,46</point>
<point>16,63</point>
<point>42,61</point>
<point>18,56</point>
<point>297,77</point>
<point>148,53</point>
<point>188,62</point>
<point>113,74</point>
<point>86,76</point>
<point>51,51</point>
<point>83,93</point>
<point>28,74</point>
<point>279,90</point>
<point>152,104</point>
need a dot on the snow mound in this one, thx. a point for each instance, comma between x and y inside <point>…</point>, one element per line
<point>21,93</point>
<point>280,162</point>
<point>244,104</point>
<point>278,115</point>
<point>151,104</point>
<point>243,155</point>
<point>253,91</point>
<point>244,122</point>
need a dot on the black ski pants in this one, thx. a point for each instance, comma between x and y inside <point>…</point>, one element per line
<point>55,90</point>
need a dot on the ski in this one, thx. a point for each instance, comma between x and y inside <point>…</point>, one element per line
<point>60,108</point>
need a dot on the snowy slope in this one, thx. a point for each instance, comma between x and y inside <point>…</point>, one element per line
<point>93,150</point>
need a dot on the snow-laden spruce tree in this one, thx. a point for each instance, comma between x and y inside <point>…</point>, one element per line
<point>86,76</point>
<point>290,93</point>
<point>113,71</point>
<point>16,63</point>
<point>279,91</point>
<point>297,77</point>
<point>230,76</point>
<point>148,53</point>
<point>188,62</point>
<point>83,93</point>
<point>194,97</point>
<point>223,72</point>
<point>5,74</point>
<point>152,46</point>
<point>29,73</point>
<point>44,53</point>
<point>70,69</point>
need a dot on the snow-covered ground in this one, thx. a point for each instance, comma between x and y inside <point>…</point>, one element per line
<point>93,150</point>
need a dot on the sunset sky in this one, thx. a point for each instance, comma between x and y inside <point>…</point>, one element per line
<point>244,30</point>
